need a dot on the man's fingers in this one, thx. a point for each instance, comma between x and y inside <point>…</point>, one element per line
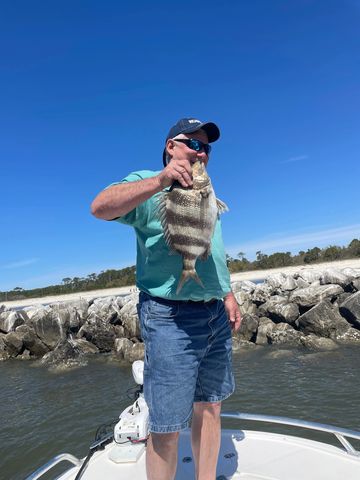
<point>185,180</point>
<point>183,176</point>
<point>235,321</point>
<point>234,325</point>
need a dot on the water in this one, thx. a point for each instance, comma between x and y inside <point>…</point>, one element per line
<point>44,413</point>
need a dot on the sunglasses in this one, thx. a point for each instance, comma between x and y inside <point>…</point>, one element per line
<point>194,144</point>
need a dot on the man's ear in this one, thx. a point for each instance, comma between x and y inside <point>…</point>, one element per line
<point>170,144</point>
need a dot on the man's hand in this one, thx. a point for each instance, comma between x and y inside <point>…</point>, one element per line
<point>233,311</point>
<point>177,169</point>
<point>180,166</point>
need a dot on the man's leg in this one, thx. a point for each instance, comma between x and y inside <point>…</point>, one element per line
<point>205,438</point>
<point>161,456</point>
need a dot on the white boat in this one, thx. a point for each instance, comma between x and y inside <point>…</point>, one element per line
<point>244,454</point>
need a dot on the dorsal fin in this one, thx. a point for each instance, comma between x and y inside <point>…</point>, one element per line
<point>222,207</point>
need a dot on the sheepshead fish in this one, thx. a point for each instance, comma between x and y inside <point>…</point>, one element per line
<point>188,216</point>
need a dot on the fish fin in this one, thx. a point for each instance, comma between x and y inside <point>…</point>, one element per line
<point>205,192</point>
<point>168,240</point>
<point>159,205</point>
<point>206,254</point>
<point>222,207</point>
<point>185,276</point>
<point>160,213</point>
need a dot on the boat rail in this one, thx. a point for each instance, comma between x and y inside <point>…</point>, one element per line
<point>63,457</point>
<point>340,433</point>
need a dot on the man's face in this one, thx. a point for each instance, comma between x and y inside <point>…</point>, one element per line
<point>180,150</point>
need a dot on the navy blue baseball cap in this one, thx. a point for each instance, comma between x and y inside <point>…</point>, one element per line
<point>191,125</point>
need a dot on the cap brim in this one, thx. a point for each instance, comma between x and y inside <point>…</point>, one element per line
<point>211,129</point>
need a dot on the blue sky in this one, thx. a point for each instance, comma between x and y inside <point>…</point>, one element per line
<point>89,90</point>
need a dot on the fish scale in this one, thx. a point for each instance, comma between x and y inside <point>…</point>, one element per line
<point>188,216</point>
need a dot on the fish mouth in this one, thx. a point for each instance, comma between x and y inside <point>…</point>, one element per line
<point>200,176</point>
<point>196,164</point>
<point>198,167</point>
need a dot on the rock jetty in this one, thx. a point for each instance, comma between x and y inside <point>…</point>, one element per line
<point>313,309</point>
<point>310,308</point>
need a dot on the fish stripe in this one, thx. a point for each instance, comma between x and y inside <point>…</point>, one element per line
<point>173,217</point>
<point>189,234</point>
<point>188,258</point>
<point>188,240</point>
<point>188,249</point>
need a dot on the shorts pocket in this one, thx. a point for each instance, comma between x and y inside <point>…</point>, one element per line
<point>162,309</point>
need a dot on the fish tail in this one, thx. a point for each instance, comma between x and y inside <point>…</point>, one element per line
<point>185,276</point>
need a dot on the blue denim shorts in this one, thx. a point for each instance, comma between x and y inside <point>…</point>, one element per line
<point>188,358</point>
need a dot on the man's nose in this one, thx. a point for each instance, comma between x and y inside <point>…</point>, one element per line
<point>202,155</point>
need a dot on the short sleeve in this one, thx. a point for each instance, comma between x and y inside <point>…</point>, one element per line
<point>136,217</point>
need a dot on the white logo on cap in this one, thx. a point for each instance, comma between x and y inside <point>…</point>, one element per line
<point>194,121</point>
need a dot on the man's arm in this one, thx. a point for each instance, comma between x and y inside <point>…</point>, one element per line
<point>119,200</point>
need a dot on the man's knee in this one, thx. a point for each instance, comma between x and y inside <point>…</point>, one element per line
<point>208,408</point>
<point>164,440</point>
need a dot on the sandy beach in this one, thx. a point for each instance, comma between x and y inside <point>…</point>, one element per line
<point>252,275</point>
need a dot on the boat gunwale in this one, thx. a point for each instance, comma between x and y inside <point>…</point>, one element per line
<point>339,432</point>
<point>61,457</point>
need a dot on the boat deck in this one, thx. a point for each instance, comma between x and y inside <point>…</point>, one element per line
<point>244,455</point>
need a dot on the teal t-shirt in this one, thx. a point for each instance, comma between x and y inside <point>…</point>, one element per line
<point>157,270</point>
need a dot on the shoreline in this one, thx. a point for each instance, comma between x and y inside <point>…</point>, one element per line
<point>252,275</point>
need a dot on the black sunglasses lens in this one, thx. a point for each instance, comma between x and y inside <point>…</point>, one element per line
<point>197,145</point>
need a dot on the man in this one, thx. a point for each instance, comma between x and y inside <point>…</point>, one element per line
<point>187,336</point>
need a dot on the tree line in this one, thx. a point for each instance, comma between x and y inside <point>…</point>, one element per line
<point>281,259</point>
<point>126,276</point>
<point>105,279</point>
